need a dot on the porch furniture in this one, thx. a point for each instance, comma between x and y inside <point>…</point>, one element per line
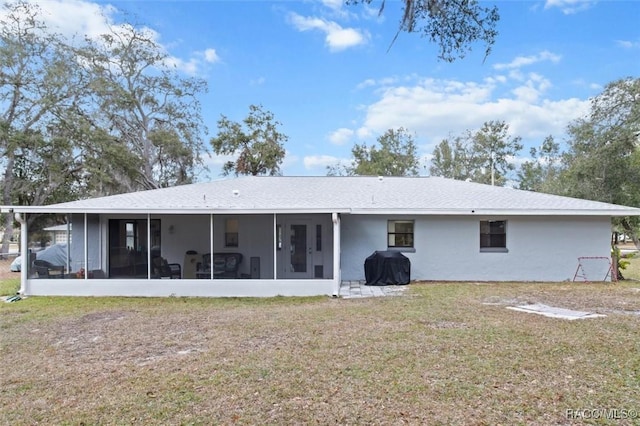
<point>45,269</point>
<point>190,265</point>
<point>176,271</point>
<point>225,265</point>
<point>163,269</point>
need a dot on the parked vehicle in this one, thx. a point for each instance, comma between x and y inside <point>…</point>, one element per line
<point>55,254</point>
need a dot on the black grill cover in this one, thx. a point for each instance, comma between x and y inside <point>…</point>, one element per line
<point>387,267</point>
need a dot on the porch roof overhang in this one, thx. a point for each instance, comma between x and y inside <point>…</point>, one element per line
<point>163,211</point>
<point>345,210</point>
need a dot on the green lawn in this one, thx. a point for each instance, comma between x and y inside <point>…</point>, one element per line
<point>442,354</point>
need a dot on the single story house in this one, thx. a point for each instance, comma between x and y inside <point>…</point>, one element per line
<point>267,236</point>
<point>59,234</point>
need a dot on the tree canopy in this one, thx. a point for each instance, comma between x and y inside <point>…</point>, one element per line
<point>90,118</point>
<point>394,155</point>
<point>602,162</point>
<point>482,156</point>
<point>454,25</point>
<point>151,113</point>
<point>256,143</point>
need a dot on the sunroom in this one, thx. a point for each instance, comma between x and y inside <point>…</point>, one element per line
<point>231,253</point>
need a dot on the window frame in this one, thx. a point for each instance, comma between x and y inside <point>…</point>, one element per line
<point>494,242</point>
<point>231,232</point>
<point>393,232</point>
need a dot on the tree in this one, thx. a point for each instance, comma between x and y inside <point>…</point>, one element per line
<point>492,151</point>
<point>97,118</point>
<point>40,85</point>
<point>146,116</point>
<point>603,158</point>
<point>256,143</point>
<point>540,174</point>
<point>395,156</point>
<point>450,159</point>
<point>482,156</point>
<point>454,25</point>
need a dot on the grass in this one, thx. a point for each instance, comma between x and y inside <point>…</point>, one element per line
<point>446,353</point>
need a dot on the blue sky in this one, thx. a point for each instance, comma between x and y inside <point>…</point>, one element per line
<point>324,69</point>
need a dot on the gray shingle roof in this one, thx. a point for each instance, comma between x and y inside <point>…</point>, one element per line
<point>424,195</point>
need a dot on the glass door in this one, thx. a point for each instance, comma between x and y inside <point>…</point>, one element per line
<point>296,249</point>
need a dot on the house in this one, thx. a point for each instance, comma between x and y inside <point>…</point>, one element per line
<point>266,236</point>
<point>59,234</point>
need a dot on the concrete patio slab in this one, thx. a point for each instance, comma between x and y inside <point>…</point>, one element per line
<point>553,312</point>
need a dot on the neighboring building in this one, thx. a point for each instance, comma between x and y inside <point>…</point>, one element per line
<point>265,236</point>
<point>60,234</point>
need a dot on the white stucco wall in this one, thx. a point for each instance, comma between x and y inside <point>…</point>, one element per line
<point>447,248</point>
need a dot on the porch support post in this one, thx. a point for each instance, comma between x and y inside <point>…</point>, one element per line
<point>148,246</point>
<point>68,263</point>
<point>275,246</point>
<point>24,252</point>
<point>86,248</point>
<point>211,245</point>
<point>335,218</point>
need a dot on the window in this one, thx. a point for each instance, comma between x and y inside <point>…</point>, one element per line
<point>318,237</point>
<point>231,233</point>
<point>493,235</point>
<point>400,234</point>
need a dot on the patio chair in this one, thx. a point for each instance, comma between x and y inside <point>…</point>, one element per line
<point>45,269</point>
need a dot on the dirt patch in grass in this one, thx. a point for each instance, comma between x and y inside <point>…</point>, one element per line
<point>447,354</point>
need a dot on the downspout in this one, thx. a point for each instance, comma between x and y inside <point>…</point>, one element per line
<point>337,276</point>
<point>24,252</point>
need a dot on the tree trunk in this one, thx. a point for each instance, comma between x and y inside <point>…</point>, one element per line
<point>6,200</point>
<point>628,230</point>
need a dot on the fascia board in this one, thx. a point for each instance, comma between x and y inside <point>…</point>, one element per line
<point>182,211</point>
<point>498,212</point>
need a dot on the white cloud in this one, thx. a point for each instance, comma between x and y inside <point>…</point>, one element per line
<point>522,61</point>
<point>569,7</point>
<point>211,56</point>
<point>337,38</point>
<point>435,109</point>
<point>628,44</point>
<point>71,17</point>
<point>81,18</point>
<point>333,4</point>
<point>341,136</point>
<point>319,161</point>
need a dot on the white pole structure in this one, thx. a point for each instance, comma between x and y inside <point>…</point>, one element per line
<point>86,249</point>
<point>24,252</point>
<point>211,234</point>
<point>68,243</point>
<point>337,276</point>
<point>148,246</point>
<point>275,246</point>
